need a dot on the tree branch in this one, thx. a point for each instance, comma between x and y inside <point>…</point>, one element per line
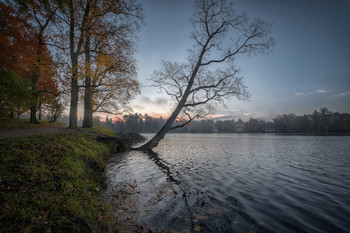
<point>49,92</point>
<point>186,123</point>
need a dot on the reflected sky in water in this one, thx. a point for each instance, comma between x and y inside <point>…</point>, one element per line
<point>234,183</point>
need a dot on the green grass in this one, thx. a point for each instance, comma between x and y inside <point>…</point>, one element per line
<point>98,130</point>
<point>52,183</point>
<point>6,123</point>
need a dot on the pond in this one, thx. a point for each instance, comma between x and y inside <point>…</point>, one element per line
<point>234,183</point>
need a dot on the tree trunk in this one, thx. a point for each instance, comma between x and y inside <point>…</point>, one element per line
<point>35,77</point>
<point>39,109</point>
<point>33,114</point>
<point>161,133</point>
<point>166,127</point>
<point>87,122</point>
<point>73,111</point>
<point>35,94</point>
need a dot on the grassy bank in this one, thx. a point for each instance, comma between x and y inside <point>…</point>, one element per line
<point>52,183</point>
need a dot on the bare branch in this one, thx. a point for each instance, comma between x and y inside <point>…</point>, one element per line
<point>209,75</point>
<point>49,92</point>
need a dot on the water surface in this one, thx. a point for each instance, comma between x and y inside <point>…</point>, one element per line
<point>234,183</point>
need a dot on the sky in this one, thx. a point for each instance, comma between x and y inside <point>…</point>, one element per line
<point>309,67</point>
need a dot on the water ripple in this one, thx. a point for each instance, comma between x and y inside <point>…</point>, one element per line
<point>234,183</point>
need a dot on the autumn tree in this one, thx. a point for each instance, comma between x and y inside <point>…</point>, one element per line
<point>24,44</point>
<point>17,58</point>
<point>42,14</point>
<point>15,42</point>
<point>110,69</point>
<point>48,90</point>
<point>209,75</point>
<point>110,88</point>
<point>92,28</point>
<point>74,15</point>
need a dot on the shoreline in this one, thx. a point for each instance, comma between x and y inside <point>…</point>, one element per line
<point>54,182</point>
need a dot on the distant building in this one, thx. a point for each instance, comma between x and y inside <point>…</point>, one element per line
<point>239,126</point>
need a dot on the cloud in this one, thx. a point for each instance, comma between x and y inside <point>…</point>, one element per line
<point>146,99</point>
<point>249,114</point>
<point>218,117</point>
<point>321,91</point>
<point>343,93</point>
<point>138,107</point>
<point>152,105</point>
<point>158,101</point>
<point>161,101</point>
<point>318,91</point>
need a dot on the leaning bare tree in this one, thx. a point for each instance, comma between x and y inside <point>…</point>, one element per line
<point>209,75</point>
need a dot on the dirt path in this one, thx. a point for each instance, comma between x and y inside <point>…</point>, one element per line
<point>9,133</point>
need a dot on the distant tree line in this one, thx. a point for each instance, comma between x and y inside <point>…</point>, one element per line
<point>132,123</point>
<point>322,121</point>
<point>147,124</point>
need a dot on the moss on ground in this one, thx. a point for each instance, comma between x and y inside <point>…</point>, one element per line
<point>99,130</point>
<point>52,183</point>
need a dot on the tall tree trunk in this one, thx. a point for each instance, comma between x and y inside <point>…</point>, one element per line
<point>73,114</point>
<point>73,111</point>
<point>35,94</point>
<point>87,122</point>
<point>33,114</point>
<point>35,77</point>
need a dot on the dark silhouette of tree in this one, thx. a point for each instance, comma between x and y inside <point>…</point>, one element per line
<point>286,123</point>
<point>77,18</point>
<point>209,75</point>
<point>110,69</point>
<point>252,125</point>
<point>55,109</point>
<point>319,122</point>
<point>97,39</point>
<point>203,126</point>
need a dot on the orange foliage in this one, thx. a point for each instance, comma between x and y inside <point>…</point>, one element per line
<point>17,42</point>
<point>19,45</point>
